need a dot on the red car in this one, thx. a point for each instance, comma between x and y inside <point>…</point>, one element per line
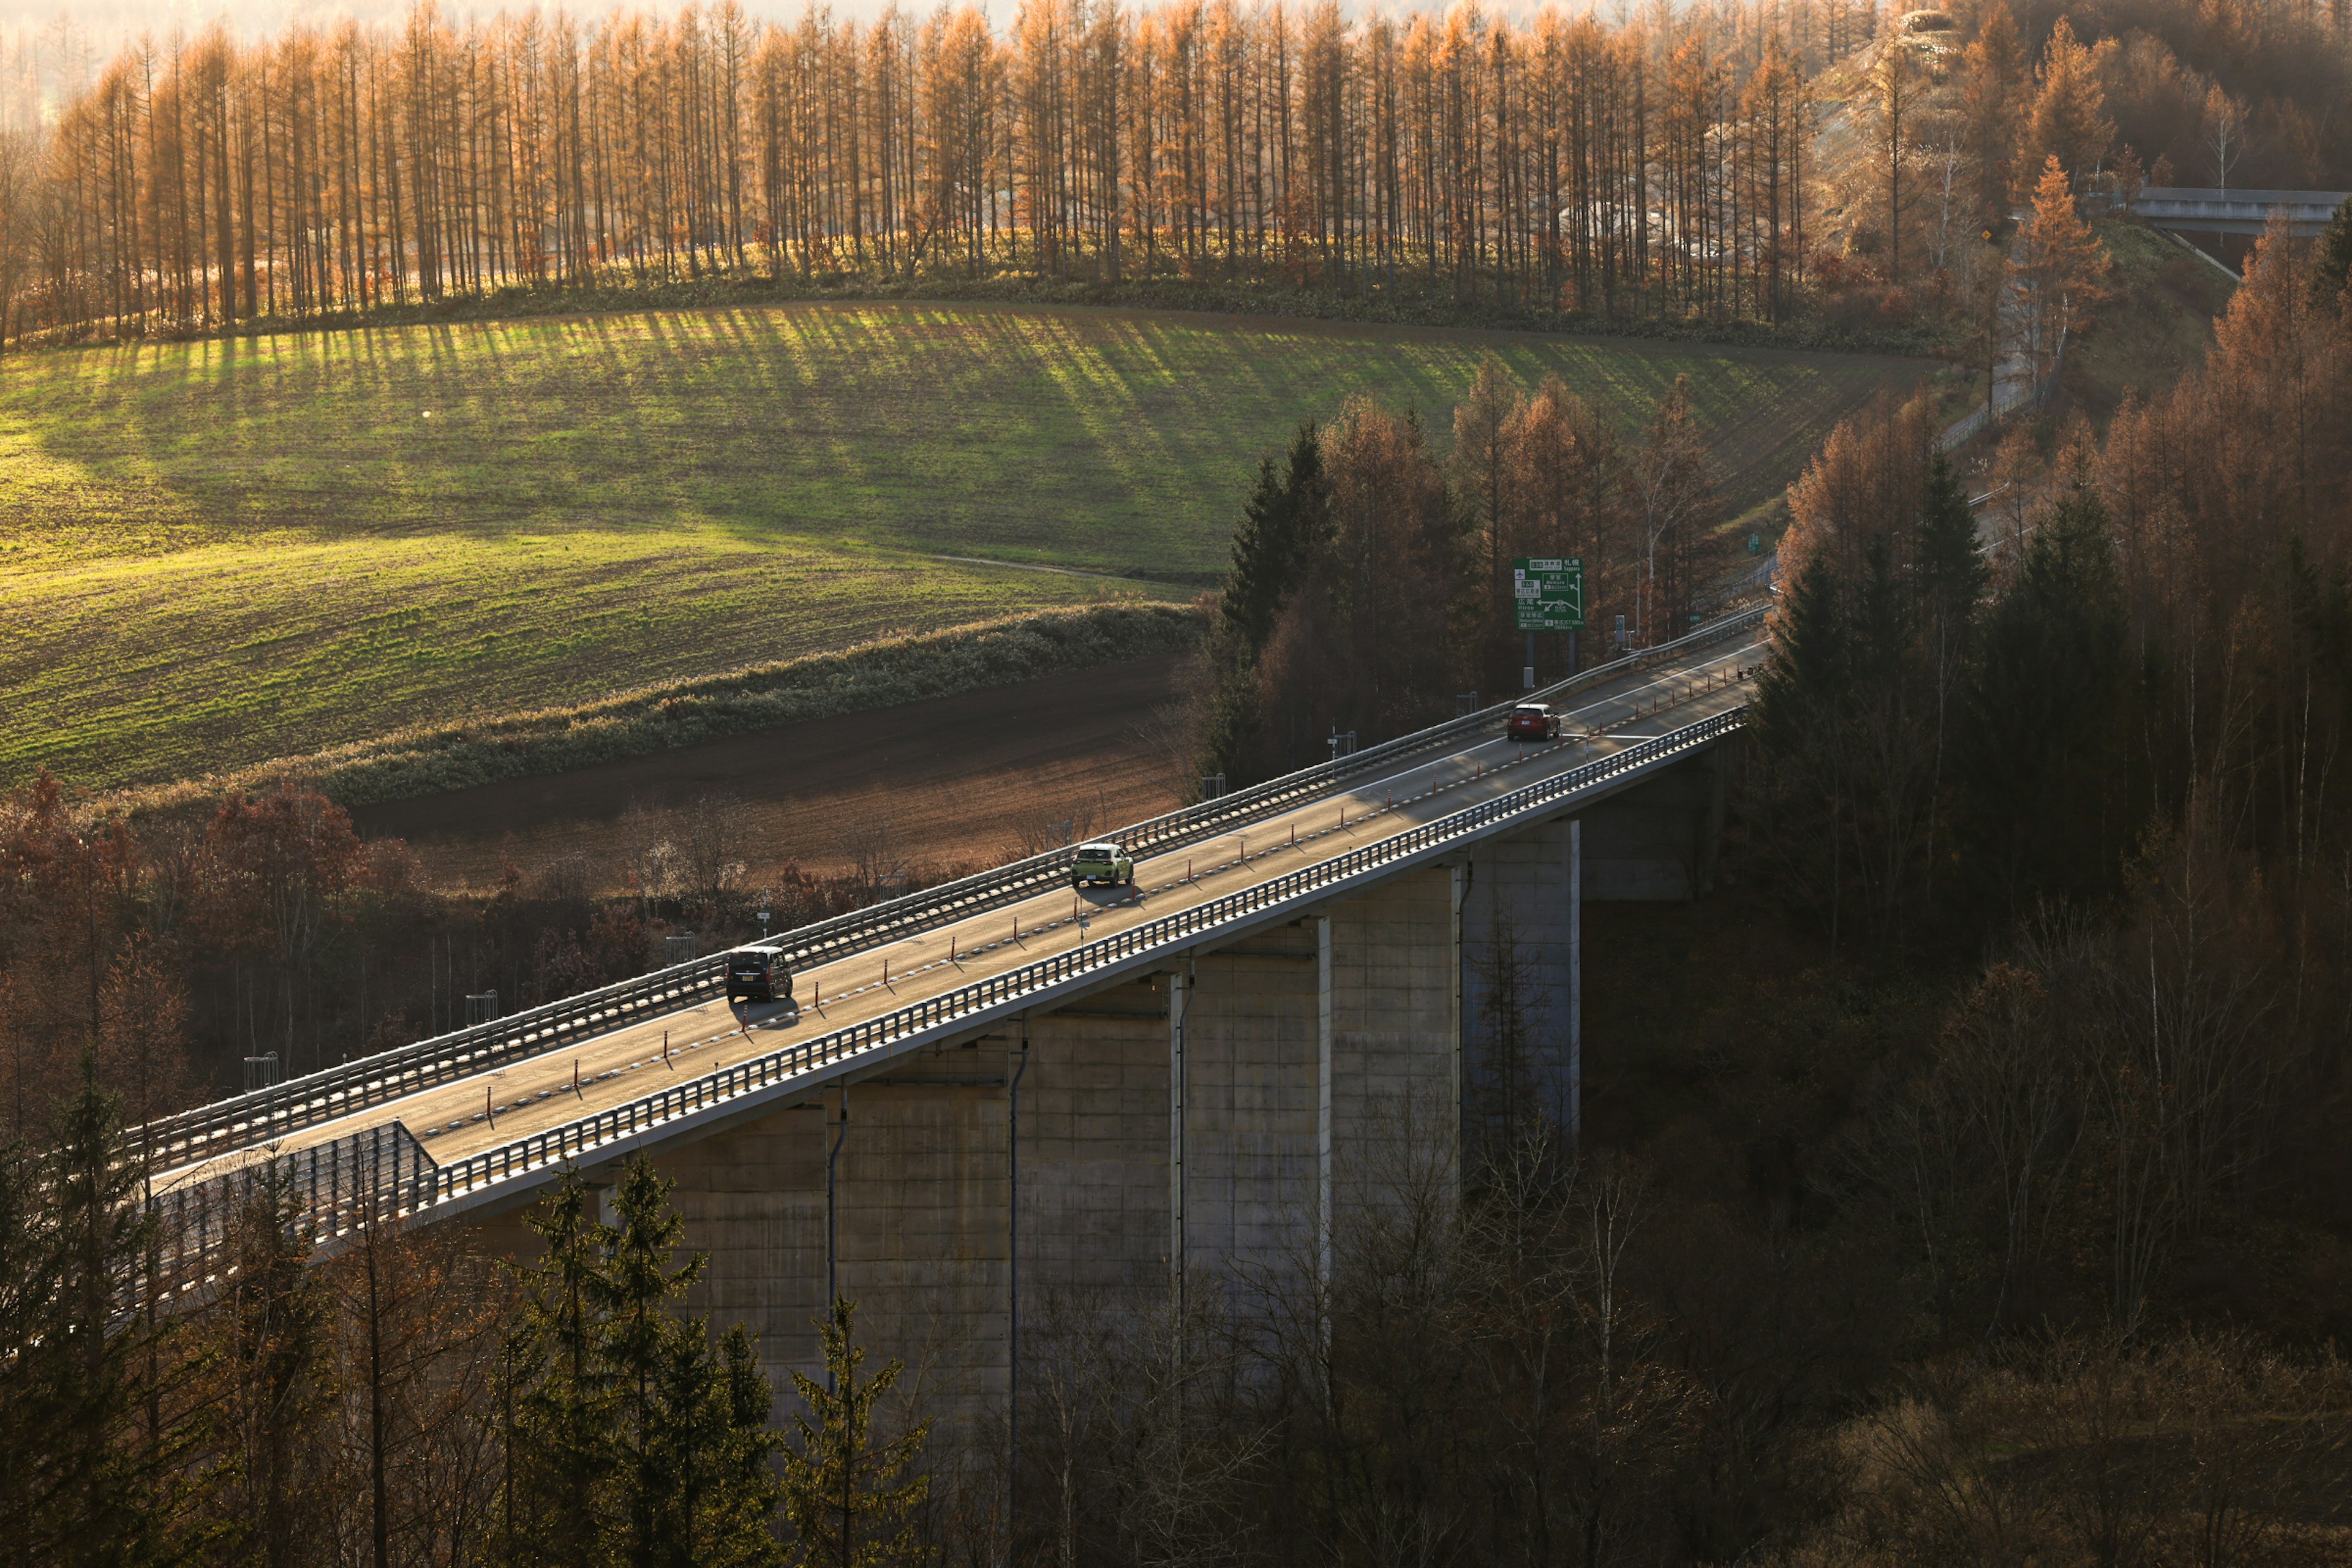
<point>1532,722</point>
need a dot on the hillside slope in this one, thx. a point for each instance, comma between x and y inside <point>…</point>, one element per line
<point>212,554</point>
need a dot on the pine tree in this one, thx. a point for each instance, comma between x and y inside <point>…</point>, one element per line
<point>1802,700</point>
<point>734,1512</point>
<point>1952,576</point>
<point>653,1367</point>
<point>1283,523</point>
<point>30,1476</point>
<point>689,1426</point>
<point>1280,521</point>
<point>843,1491</point>
<point>634,1440</point>
<point>94,1487</point>
<point>559,1459</point>
<point>1952,570</point>
<point>273,1330</point>
<point>2048,813</point>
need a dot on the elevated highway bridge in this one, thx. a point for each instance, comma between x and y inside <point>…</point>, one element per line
<point>2198,210</point>
<point>1007,1078</point>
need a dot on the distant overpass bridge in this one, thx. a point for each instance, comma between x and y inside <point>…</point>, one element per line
<point>2197,210</point>
<point>1002,1083</point>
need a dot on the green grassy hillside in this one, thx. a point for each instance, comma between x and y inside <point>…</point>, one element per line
<point>215,552</point>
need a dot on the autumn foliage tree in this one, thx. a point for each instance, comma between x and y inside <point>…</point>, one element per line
<point>1371,588</point>
<point>1555,163</point>
<point>2056,272</point>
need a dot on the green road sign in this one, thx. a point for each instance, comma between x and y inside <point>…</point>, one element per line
<point>1548,595</point>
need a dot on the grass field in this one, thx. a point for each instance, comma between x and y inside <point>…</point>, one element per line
<point>216,553</point>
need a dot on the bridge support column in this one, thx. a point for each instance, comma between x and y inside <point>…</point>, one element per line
<point>1179,998</point>
<point>1575,1088</point>
<point>1250,1101</point>
<point>1389,1048</point>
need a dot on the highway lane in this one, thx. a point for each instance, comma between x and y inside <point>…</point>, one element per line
<point>488,1108</point>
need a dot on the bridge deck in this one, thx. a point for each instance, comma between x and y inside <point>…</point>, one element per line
<point>468,1115</point>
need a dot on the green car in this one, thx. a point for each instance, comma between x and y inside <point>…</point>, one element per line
<point>1101,863</point>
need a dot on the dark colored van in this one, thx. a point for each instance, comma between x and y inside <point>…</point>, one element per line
<point>758,974</point>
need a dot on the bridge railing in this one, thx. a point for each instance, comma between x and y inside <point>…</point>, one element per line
<point>337,1091</point>
<point>983,891</point>
<point>590,1133</point>
<point>376,1173</point>
<point>270,1113</point>
<point>332,1198</point>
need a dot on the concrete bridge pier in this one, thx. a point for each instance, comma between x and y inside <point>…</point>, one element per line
<point>1168,1133</point>
<point>1522,900</point>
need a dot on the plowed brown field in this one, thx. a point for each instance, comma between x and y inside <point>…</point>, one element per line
<point>925,785</point>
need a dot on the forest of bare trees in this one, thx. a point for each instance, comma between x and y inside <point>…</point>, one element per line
<point>1662,166</point>
<point>1658,166</point>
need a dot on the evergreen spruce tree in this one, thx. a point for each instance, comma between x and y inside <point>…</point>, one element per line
<point>30,1476</point>
<point>274,1330</point>
<point>1804,718</point>
<point>1952,570</point>
<point>559,1461</point>
<point>1284,521</point>
<point>737,1493</point>
<point>2049,811</point>
<point>1952,576</point>
<point>1286,513</point>
<point>654,1368</point>
<point>88,1484</point>
<point>1809,676</point>
<point>634,1439</point>
<point>843,1491</point>
<point>689,1423</point>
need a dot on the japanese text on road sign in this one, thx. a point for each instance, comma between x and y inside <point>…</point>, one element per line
<point>1548,595</point>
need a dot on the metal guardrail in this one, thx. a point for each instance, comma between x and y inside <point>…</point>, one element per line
<point>989,889</point>
<point>270,1113</point>
<point>406,1187</point>
<point>376,1173</point>
<point>589,1132</point>
<point>324,1096</point>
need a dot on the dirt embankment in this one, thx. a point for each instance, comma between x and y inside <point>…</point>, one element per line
<point>953,778</point>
